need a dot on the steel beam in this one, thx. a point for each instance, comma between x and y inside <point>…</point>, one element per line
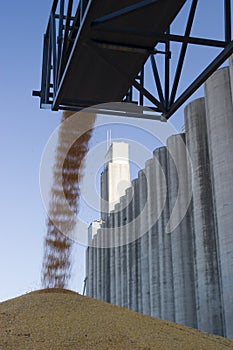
<point>227,8</point>
<point>123,12</point>
<point>164,37</point>
<point>157,79</point>
<point>183,51</point>
<point>214,65</point>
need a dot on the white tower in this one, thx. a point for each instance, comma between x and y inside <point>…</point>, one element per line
<point>115,177</point>
<point>92,229</point>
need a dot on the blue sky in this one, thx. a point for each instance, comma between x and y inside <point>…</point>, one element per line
<point>25,130</point>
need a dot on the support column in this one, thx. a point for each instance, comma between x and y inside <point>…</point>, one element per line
<point>219,112</point>
<point>136,277</point>
<point>182,235</point>
<point>124,284</point>
<point>117,254</point>
<point>129,238</point>
<point>90,272</point>
<point>87,271</point>
<point>165,253</point>
<point>112,271</point>
<point>106,260</point>
<point>103,261</point>
<point>144,260</point>
<point>95,267</point>
<point>152,171</point>
<point>208,298</point>
<point>99,265</point>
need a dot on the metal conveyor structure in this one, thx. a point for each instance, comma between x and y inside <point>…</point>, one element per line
<point>95,52</point>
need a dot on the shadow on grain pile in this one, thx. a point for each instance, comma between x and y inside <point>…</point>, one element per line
<point>60,319</point>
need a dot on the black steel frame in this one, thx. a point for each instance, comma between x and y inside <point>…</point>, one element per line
<point>64,23</point>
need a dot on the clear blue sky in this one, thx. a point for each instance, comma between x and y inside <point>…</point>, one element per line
<point>25,130</point>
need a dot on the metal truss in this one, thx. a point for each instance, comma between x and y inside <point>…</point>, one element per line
<point>66,19</point>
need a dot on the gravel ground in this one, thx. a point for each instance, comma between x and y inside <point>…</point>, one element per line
<point>61,320</point>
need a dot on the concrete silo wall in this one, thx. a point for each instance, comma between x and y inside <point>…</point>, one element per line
<point>164,239</point>
<point>112,272</point>
<point>95,264</point>
<point>144,242</point>
<point>129,252</point>
<point>182,233</point>
<point>219,113</point>
<point>166,257</point>
<point>117,254</point>
<point>136,277</point>
<point>123,252</point>
<point>154,174</point>
<point>207,278</point>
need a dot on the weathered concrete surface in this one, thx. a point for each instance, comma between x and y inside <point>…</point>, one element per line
<point>106,261</point>
<point>181,235</point>
<point>219,114</point>
<point>129,244</point>
<point>165,256</point>
<point>153,173</point>
<point>184,275</point>
<point>87,271</point>
<point>112,272</point>
<point>123,253</point>
<point>98,263</point>
<point>144,242</point>
<point>136,277</point>
<point>117,254</point>
<point>231,75</point>
<point>207,281</point>
<point>95,266</point>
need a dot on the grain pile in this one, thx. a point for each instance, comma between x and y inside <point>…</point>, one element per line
<point>68,171</point>
<point>60,319</point>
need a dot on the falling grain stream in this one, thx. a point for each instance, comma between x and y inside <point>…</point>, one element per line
<point>67,174</point>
